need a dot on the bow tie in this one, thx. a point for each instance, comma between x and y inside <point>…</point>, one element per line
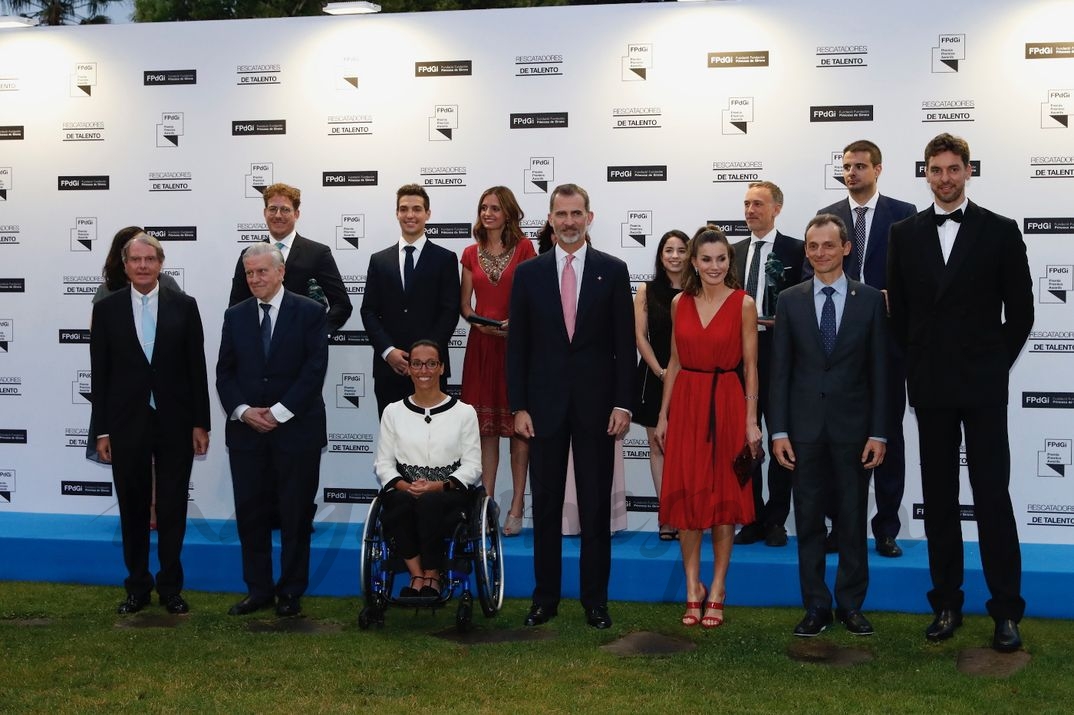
<point>955,216</point>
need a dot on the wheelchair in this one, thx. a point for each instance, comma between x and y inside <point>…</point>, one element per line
<point>474,549</point>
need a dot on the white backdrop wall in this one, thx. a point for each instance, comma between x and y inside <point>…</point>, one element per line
<point>661,111</point>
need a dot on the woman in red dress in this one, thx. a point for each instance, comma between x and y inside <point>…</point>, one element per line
<point>488,268</point>
<point>706,418</point>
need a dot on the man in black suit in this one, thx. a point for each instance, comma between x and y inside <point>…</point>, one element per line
<point>305,260</point>
<point>273,358</point>
<point>150,404</point>
<point>961,301</point>
<point>763,202</point>
<point>411,293</point>
<point>868,216</point>
<point>827,415</point>
<point>570,356</point>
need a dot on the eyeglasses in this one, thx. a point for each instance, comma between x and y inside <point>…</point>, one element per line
<point>427,364</point>
<point>282,210</point>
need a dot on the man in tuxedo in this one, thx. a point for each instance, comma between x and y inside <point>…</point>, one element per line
<point>411,293</point>
<point>150,404</point>
<point>273,358</point>
<point>827,414</point>
<point>305,260</point>
<point>961,302</point>
<point>569,381</point>
<point>763,202</point>
<point>871,215</point>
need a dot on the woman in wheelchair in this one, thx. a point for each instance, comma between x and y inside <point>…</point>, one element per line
<point>428,459</point>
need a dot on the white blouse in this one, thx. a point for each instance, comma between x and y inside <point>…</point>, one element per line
<point>439,443</point>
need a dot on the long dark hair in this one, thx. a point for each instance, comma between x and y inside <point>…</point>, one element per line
<point>659,274</point>
<point>114,275</point>
<point>512,215</point>
<point>691,282</point>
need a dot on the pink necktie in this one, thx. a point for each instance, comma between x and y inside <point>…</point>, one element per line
<point>568,293</point>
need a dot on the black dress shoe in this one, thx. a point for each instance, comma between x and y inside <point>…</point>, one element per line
<point>886,546</point>
<point>175,604</point>
<point>287,606</point>
<point>816,621</point>
<point>775,536</point>
<point>598,617</point>
<point>133,604</point>
<point>540,614</point>
<point>855,621</point>
<point>944,625</point>
<point>249,605</point>
<point>750,534</point>
<point>1007,639</point>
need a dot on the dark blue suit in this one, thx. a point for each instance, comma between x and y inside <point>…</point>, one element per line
<point>890,477</point>
<point>569,387</point>
<point>281,466</point>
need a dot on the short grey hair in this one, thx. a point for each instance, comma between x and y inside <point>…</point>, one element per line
<point>262,249</point>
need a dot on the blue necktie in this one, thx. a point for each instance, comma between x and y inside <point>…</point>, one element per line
<point>408,268</point>
<point>266,328</point>
<point>149,337</point>
<point>827,320</point>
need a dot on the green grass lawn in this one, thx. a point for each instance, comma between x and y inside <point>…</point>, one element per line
<point>64,650</point>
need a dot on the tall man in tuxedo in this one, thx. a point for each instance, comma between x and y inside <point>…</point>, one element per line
<point>150,404</point>
<point>763,202</point>
<point>569,380</point>
<point>827,413</point>
<point>411,293</point>
<point>962,306</point>
<point>305,260</point>
<point>273,358</point>
<point>871,215</point>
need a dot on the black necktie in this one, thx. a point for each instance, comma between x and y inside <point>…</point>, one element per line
<point>408,267</point>
<point>266,328</point>
<point>857,262</point>
<point>955,216</point>
<point>755,269</point>
<point>827,320</point>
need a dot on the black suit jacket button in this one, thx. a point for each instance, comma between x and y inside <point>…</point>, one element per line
<point>822,395</point>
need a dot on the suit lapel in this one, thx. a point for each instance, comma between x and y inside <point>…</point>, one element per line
<point>283,322</point>
<point>131,330</point>
<point>165,319</point>
<point>809,314</point>
<point>852,311</point>
<point>592,279</point>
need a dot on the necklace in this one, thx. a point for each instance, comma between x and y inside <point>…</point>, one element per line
<point>493,266</point>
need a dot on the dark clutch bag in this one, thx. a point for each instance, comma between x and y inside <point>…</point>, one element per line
<point>476,319</point>
<point>745,463</point>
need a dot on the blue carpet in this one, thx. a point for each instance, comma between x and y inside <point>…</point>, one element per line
<point>86,549</point>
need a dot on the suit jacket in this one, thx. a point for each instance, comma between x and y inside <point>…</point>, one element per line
<point>123,378</point>
<point>962,324</point>
<point>789,250</point>
<point>292,373</point>
<point>306,259</point>
<point>429,309</point>
<point>547,374</point>
<point>840,397</point>
<point>888,211</point>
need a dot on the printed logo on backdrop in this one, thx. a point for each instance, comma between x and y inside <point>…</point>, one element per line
<point>7,484</point>
<point>636,229</point>
<point>354,282</point>
<point>1050,514</point>
<point>75,437</point>
<point>458,341</point>
<point>833,172</point>
<point>260,176</point>
<point>82,132</point>
<point>654,172</point>
<point>738,115</point>
<point>81,284</point>
<point>85,489</point>
<point>250,75</point>
<point>9,233</point>
<point>732,228</point>
<point>349,495</point>
<point>948,52</point>
<point>349,337</point>
<point>176,273</point>
<point>84,234</point>
<point>736,172</point>
<point>531,227</point>
<point>5,186</point>
<point>10,386</point>
<point>1051,167</point>
<point>636,117</point>
<point>12,285</point>
<point>444,68</point>
<point>1048,400</point>
<point>919,168</point>
<point>1053,460</point>
<point>636,448</point>
<point>965,512</point>
<point>74,336</point>
<point>538,120</point>
<point>1051,341</point>
<point>444,121</point>
<point>1049,50</point>
<point>1030,226</point>
<point>10,83</point>
<point>349,178</point>
<point>1055,112</point>
<point>349,125</point>
<point>251,232</point>
<point>1054,285</point>
<point>546,65</point>
<point>725,60</point>
<point>82,183</point>
<point>637,62</point>
<point>948,110</point>
<point>160,78</point>
<point>173,233</point>
<point>12,132</point>
<point>449,230</point>
<point>169,130</point>
<point>636,279</point>
<point>349,391</point>
<point>841,113</point>
<point>12,436</point>
<point>442,176</point>
<point>81,388</point>
<point>350,230</point>
<point>535,180</point>
<point>258,127</point>
<point>346,76</point>
<point>842,56</point>
<point>7,334</point>
<point>83,79</point>
<point>170,181</point>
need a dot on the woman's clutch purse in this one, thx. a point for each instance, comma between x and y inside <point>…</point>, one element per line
<point>745,463</point>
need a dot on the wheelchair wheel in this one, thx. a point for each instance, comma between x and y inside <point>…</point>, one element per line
<point>464,615</point>
<point>488,557</point>
<point>370,616</point>
<point>373,556</point>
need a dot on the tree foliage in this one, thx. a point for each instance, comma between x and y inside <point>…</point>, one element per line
<point>59,12</point>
